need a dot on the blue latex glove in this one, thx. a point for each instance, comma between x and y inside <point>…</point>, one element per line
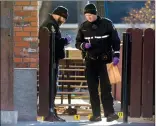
<point>68,37</point>
<point>115,61</point>
<point>87,45</point>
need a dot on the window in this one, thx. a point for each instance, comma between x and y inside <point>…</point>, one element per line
<point>116,10</point>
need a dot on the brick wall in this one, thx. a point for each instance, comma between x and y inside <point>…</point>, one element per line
<point>26,34</point>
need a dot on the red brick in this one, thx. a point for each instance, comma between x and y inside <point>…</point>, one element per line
<point>35,34</point>
<point>31,19</point>
<point>22,44</point>
<point>22,13</point>
<point>26,59</point>
<point>33,65</point>
<point>22,33</point>
<point>22,3</point>
<point>21,24</point>
<point>24,53</point>
<point>34,13</point>
<point>30,39</point>
<point>34,3</point>
<point>17,39</point>
<point>17,51</point>
<point>34,55</point>
<point>18,8</point>
<point>18,29</point>
<point>18,18</point>
<point>34,23</point>
<point>17,60</point>
<point>30,29</point>
<point>29,60</point>
<point>22,65</point>
<point>30,8</point>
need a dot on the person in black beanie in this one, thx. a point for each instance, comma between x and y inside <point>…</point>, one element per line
<point>55,19</point>
<point>62,12</point>
<point>99,42</point>
<point>91,9</point>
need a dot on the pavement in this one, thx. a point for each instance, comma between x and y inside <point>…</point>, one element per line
<point>84,122</point>
<point>80,123</point>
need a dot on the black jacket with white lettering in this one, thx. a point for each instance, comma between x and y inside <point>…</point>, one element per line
<point>101,34</point>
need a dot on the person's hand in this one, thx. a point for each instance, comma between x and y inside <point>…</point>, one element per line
<point>115,61</point>
<point>87,45</point>
<point>68,37</point>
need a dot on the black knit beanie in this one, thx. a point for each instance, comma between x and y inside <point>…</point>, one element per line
<point>61,11</point>
<point>90,8</point>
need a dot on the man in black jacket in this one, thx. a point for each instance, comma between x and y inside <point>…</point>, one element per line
<point>58,17</point>
<point>98,40</point>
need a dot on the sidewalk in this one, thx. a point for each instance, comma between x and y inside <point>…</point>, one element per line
<point>84,119</point>
<point>80,123</point>
<point>84,122</point>
<point>43,124</point>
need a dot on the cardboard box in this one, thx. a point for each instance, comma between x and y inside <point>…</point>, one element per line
<point>73,53</point>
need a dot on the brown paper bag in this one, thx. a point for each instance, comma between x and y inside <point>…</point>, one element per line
<point>114,74</point>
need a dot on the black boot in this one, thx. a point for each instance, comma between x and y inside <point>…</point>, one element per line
<point>52,118</point>
<point>95,118</point>
<point>59,118</point>
<point>112,117</point>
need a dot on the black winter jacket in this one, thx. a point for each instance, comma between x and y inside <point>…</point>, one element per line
<point>101,34</point>
<point>59,41</point>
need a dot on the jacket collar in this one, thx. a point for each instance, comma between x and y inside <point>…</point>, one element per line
<point>54,22</point>
<point>97,20</point>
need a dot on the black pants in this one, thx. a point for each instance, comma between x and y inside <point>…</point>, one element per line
<point>96,70</point>
<point>55,85</point>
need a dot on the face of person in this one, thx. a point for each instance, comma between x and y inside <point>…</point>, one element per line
<point>90,17</point>
<point>61,20</point>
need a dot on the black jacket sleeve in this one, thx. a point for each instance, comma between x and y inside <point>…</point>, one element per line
<point>80,42</point>
<point>115,40</point>
<point>60,43</point>
<point>64,41</point>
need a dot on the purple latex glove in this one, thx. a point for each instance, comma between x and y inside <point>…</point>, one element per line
<point>87,45</point>
<point>68,37</point>
<point>115,61</point>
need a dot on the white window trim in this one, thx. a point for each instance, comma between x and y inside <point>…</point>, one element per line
<point>75,26</point>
